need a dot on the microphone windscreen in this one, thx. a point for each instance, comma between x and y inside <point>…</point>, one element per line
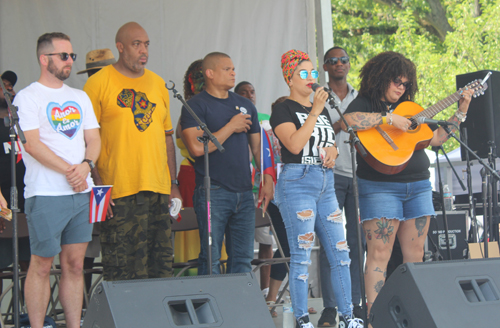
<point>315,86</point>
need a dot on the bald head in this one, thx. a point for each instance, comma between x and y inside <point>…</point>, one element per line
<point>211,60</point>
<point>132,42</point>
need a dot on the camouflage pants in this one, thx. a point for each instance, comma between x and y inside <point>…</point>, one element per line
<point>136,242</point>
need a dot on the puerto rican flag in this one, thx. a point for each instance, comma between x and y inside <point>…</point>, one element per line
<point>266,156</point>
<point>99,201</point>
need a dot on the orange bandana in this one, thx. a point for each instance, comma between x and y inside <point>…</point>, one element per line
<point>289,62</point>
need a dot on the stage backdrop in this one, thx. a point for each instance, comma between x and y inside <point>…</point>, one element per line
<point>254,33</point>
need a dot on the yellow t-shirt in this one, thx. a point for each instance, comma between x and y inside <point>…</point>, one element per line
<point>134,116</point>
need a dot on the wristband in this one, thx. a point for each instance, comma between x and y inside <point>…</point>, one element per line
<point>460,116</point>
<point>390,119</point>
<point>384,120</point>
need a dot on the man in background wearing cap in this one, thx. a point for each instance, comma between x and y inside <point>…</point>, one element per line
<point>9,79</point>
<point>138,158</point>
<point>94,61</point>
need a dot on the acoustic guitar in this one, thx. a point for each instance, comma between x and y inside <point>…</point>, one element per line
<point>389,149</point>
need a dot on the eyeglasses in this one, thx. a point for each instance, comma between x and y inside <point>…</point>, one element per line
<point>397,82</point>
<point>303,74</point>
<point>335,60</point>
<point>63,55</point>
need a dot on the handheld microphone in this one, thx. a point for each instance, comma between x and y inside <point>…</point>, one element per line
<point>315,87</point>
<point>422,120</point>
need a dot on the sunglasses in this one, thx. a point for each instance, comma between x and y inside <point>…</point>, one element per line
<point>63,55</point>
<point>335,60</point>
<point>303,74</point>
<point>397,82</point>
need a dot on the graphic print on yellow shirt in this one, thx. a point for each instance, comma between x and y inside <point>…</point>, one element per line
<point>141,107</point>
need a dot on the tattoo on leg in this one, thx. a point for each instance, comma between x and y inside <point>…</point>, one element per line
<point>385,230</point>
<point>377,269</point>
<point>378,286</point>
<point>420,225</point>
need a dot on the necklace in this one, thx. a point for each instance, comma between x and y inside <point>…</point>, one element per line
<point>305,108</point>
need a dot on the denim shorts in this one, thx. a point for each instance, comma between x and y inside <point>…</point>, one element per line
<point>57,220</point>
<point>394,200</point>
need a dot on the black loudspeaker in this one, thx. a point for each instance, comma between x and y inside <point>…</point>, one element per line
<point>446,294</point>
<point>483,117</point>
<point>229,300</point>
<point>457,234</point>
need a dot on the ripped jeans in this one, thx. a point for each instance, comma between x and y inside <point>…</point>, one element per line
<point>305,195</point>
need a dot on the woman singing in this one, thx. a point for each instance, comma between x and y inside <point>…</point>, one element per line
<point>305,192</point>
<point>398,204</point>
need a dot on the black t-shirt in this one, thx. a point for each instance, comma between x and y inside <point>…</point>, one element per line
<point>323,134</point>
<point>418,165</point>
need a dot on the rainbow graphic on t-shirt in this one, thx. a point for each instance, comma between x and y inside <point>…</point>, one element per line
<point>65,119</point>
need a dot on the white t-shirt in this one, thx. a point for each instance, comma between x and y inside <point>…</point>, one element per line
<point>61,115</point>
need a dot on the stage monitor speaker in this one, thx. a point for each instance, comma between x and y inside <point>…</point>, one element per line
<point>446,294</point>
<point>483,117</point>
<point>229,300</point>
<point>457,234</point>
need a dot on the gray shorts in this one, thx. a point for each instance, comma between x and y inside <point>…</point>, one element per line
<point>57,220</point>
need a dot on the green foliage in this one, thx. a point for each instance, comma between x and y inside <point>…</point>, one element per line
<point>472,46</point>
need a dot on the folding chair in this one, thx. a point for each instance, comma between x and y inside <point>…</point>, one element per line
<point>264,221</point>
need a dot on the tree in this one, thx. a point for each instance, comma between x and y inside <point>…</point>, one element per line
<point>470,45</point>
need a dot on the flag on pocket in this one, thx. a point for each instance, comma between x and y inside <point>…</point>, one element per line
<point>99,201</point>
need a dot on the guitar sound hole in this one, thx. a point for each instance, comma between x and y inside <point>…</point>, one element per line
<point>414,124</point>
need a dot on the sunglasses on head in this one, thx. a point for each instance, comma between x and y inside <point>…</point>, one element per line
<point>335,60</point>
<point>303,74</point>
<point>397,82</point>
<point>63,55</point>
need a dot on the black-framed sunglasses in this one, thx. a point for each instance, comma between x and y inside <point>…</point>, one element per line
<point>335,60</point>
<point>397,82</point>
<point>63,55</point>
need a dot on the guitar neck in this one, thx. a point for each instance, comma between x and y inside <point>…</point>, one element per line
<point>438,107</point>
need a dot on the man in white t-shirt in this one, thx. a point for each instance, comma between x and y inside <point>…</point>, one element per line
<point>62,144</point>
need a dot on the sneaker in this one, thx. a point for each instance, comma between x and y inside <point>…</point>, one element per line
<point>357,312</point>
<point>347,322</point>
<point>329,318</point>
<point>303,322</point>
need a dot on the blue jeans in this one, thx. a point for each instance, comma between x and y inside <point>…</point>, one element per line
<point>305,195</point>
<point>233,214</point>
<point>345,196</point>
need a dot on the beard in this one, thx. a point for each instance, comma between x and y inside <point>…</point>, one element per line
<point>60,74</point>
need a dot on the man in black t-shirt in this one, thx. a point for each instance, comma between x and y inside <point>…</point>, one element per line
<point>233,121</point>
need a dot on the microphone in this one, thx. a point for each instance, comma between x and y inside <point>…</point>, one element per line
<point>315,87</point>
<point>422,120</point>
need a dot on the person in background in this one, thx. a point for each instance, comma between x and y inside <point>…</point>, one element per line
<point>9,79</point>
<point>337,65</point>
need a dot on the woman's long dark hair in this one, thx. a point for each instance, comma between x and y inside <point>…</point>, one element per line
<point>378,73</point>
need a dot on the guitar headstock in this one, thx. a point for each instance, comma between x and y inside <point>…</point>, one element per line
<point>476,85</point>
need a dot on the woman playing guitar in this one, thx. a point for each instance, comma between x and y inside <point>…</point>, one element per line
<point>401,203</point>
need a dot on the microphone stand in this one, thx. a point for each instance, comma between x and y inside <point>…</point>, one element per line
<point>355,143</point>
<point>493,196</point>
<point>488,171</point>
<point>445,218</point>
<point>472,203</point>
<point>12,121</point>
<point>205,138</point>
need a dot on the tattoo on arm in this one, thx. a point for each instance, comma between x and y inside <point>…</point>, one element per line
<point>420,224</point>
<point>378,286</point>
<point>368,234</point>
<point>377,269</point>
<point>385,230</point>
<point>365,121</point>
